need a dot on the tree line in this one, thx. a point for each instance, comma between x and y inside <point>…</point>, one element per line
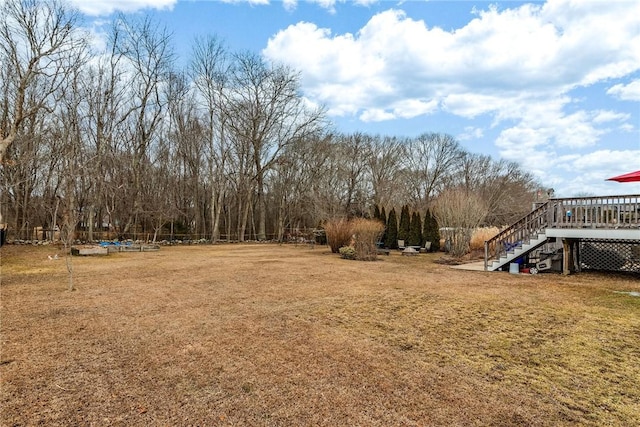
<point>121,142</point>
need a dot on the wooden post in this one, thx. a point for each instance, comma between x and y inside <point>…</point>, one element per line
<point>567,256</point>
<point>576,256</point>
<point>486,255</point>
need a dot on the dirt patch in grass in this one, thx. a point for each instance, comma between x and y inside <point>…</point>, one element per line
<point>289,335</point>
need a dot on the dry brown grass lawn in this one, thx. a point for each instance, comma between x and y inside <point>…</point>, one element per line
<point>291,336</point>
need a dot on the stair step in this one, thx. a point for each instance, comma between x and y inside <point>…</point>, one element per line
<point>516,252</point>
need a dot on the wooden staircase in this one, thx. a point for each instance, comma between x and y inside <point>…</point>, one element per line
<point>601,218</point>
<point>519,251</point>
<point>517,240</point>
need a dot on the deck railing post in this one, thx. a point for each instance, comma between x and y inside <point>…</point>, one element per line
<point>486,255</point>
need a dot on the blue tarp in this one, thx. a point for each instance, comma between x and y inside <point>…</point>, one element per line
<point>105,244</point>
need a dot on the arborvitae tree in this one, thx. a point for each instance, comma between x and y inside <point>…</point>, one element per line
<point>436,233</point>
<point>376,212</point>
<point>383,218</point>
<point>431,231</point>
<point>415,230</point>
<point>405,224</point>
<point>392,231</point>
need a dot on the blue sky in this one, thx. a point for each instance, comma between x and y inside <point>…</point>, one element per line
<point>552,85</point>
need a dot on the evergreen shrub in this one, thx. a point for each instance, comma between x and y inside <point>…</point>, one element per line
<point>405,224</point>
<point>348,252</point>
<point>391,241</point>
<point>415,230</point>
<point>431,231</point>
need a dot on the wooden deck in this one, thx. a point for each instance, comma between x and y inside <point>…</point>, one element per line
<point>611,212</point>
<point>605,218</point>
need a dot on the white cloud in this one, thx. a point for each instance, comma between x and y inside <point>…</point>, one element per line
<point>522,143</point>
<point>471,133</point>
<point>106,7</point>
<point>471,105</point>
<point>255,2</point>
<point>290,4</point>
<point>590,171</point>
<point>615,162</point>
<point>626,127</point>
<point>326,4</point>
<point>409,108</point>
<point>376,115</point>
<point>544,126</point>
<point>99,37</point>
<point>628,92</point>
<point>526,53</point>
<point>329,5</point>
<point>604,116</point>
<point>585,173</point>
<point>405,109</point>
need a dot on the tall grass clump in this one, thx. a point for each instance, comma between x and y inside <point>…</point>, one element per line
<point>480,235</point>
<point>366,233</point>
<point>339,232</point>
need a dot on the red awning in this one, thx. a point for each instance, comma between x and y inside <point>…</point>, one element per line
<point>627,177</point>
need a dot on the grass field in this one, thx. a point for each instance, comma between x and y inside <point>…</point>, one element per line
<point>269,335</point>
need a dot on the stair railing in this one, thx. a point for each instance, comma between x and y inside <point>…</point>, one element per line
<point>517,234</point>
<point>596,212</point>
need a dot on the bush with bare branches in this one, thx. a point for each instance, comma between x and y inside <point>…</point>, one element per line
<point>339,232</point>
<point>461,212</point>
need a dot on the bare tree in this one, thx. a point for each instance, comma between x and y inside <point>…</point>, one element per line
<point>75,181</point>
<point>104,92</point>
<point>268,113</point>
<point>241,176</point>
<point>326,194</point>
<point>431,159</point>
<point>459,211</point>
<point>163,182</point>
<point>507,191</point>
<point>38,42</point>
<point>292,184</point>
<point>352,151</point>
<point>209,69</point>
<point>384,161</point>
<point>186,135</point>
<point>147,50</point>
<point>37,38</point>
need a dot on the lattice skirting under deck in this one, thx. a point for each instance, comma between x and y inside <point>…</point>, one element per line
<point>612,255</point>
